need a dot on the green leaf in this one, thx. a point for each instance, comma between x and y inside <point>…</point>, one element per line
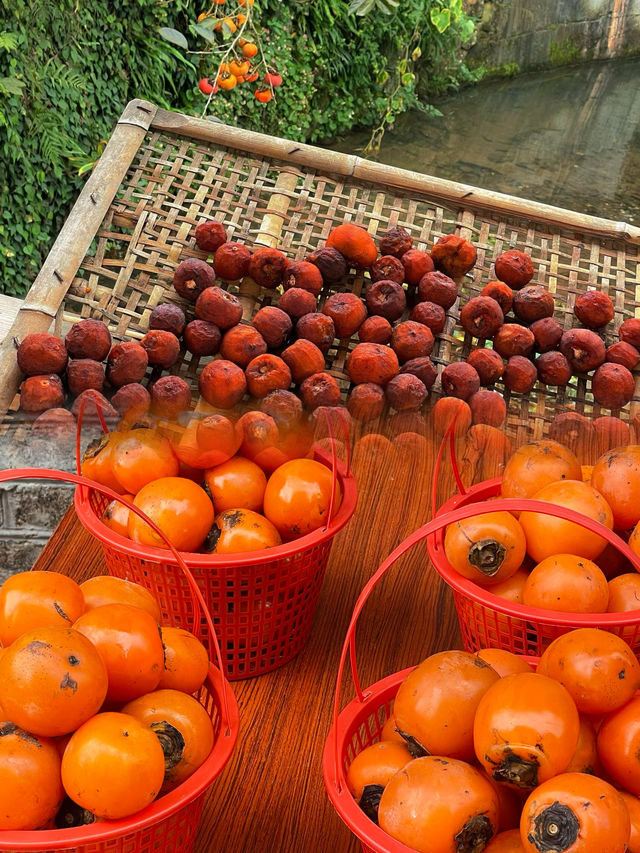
<point>416,53</point>
<point>382,77</point>
<point>467,29</point>
<point>402,66</point>
<point>208,23</point>
<point>11,86</point>
<point>361,7</point>
<point>206,34</point>
<point>8,41</point>
<point>407,79</point>
<point>441,19</point>
<point>174,36</point>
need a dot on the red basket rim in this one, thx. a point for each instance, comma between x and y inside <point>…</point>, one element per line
<point>165,806</point>
<point>92,523</point>
<point>482,595</point>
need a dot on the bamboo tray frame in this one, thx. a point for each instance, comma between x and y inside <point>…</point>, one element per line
<point>163,172</point>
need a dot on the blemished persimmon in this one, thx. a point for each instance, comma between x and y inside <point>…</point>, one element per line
<point>116,516</point>
<point>371,770</point>
<point>34,599</point>
<point>537,464</point>
<point>504,662</point>
<point>239,530</point>
<point>105,589</point>
<point>616,475</point>
<point>179,507</point>
<point>98,459</point>
<point>486,548</point>
<point>568,583</point>
<point>186,661</point>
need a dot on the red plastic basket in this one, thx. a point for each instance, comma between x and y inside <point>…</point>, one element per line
<point>170,823</point>
<point>262,603</point>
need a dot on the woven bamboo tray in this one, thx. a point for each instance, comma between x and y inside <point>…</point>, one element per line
<point>162,173</point>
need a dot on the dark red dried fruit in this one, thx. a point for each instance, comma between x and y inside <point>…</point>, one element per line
<point>387,268</point>
<point>55,425</point>
<point>222,383</point>
<point>332,264</point>
<point>501,292</point>
<point>429,314</point>
<point>416,264</point>
<point>274,325</point>
<point>90,401</point>
<point>297,302</point>
<point>514,268</point>
<point>168,318</point>
<point>423,368</point>
<point>366,402</point>
<point>629,332</point>
<point>304,275</point>
<point>594,309</point>
<point>231,261</point>
<point>202,338</point>
<point>553,368</point>
<point>132,401</point>
<point>532,303</point>
<point>192,277</point>
<point>241,344</point>
<point>573,430</point>
<point>283,406</point>
<point>210,236</point>
<point>610,432</point>
<point>439,288</point>
<point>547,333</point>
<point>488,407</point>
<point>411,340</point>
<point>41,353</point>
<point>481,317</point>
<point>170,396</point>
<point>162,348</point>
<point>623,353</point>
<point>267,267</point>
<point>513,339</point>
<point>376,330</point>
<point>395,241</point>
<point>405,391</point>
<point>453,255</point>
<point>267,373</point>
<point>372,363</point>
<point>460,380</point>
<point>386,299</point>
<point>88,339</point>
<point>320,389</point>
<point>583,349</point>
<point>613,385</point>
<point>303,358</point>
<point>520,374</point>
<point>127,362</point>
<point>219,307</point>
<point>347,312</point>
<point>319,329</point>
<point>39,393</point>
<point>83,373</point>
<point>487,363</point>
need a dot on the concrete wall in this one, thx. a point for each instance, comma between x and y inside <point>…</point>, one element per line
<point>519,35</point>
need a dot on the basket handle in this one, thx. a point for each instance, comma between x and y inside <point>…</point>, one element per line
<point>443,520</point>
<point>103,424</point>
<point>199,602</point>
<point>334,460</point>
<point>449,436</point>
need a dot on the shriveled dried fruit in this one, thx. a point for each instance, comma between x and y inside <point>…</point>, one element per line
<point>514,268</point>
<point>411,340</point>
<point>319,329</point>
<point>513,339</point>
<point>241,344</point>
<point>423,368</point>
<point>55,425</point>
<point>132,401</point>
<point>488,407</point>
<point>439,288</point>
<point>481,317</point>
<point>192,276</point>
<point>303,358</point>
<point>127,362</point>
<point>331,263</point>
<point>320,389</point>
<point>629,332</point>
<point>387,299</point>
<point>488,365</point>
<point>583,349</point>
<point>575,431</point>
<point>547,333</point>
<point>283,406</point>
<point>90,401</point>
<point>168,318</point>
<point>274,325</point>
<point>501,292</point>
<point>202,338</point>
<point>376,330</point>
<point>210,236</point>
<point>88,339</point>
<point>450,409</point>
<point>347,312</point>
<point>83,373</point>
<point>38,393</point>
<point>553,368</point>
<point>387,268</point>
<point>372,363</point>
<point>267,266</point>
<point>429,314</point>
<point>302,274</point>
<point>40,353</point>
<point>460,380</point>
<point>162,348</point>
<point>594,309</point>
<point>170,396</point>
<point>453,255</point>
<point>219,307</point>
<point>267,373</point>
<point>395,241</point>
<point>354,243</point>
<point>532,303</point>
<point>405,391</point>
<point>222,383</point>
<point>297,302</point>
<point>520,374</point>
<point>623,353</point>
<point>613,385</point>
<point>366,402</point>
<point>610,432</point>
<point>416,265</point>
<point>231,261</point>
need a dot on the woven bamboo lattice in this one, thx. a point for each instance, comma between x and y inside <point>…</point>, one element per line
<point>173,172</point>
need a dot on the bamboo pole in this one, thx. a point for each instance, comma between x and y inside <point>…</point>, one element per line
<point>54,279</point>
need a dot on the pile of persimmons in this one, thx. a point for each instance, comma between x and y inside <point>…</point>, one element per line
<point>97,716</point>
<point>482,752</point>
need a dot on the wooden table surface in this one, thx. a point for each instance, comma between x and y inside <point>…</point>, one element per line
<point>271,796</point>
